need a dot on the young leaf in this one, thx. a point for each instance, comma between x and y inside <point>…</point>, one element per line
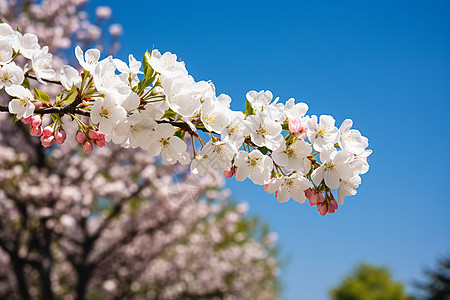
<point>71,95</point>
<point>41,96</point>
<point>249,109</point>
<point>263,150</point>
<point>26,83</point>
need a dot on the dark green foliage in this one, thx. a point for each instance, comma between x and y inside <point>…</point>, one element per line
<point>437,286</point>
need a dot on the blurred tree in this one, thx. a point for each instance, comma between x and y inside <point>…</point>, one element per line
<point>115,224</point>
<point>437,286</point>
<point>367,282</point>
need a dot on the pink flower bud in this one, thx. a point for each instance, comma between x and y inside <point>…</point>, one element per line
<point>322,208</point>
<point>26,120</point>
<point>101,135</point>
<point>314,197</point>
<point>93,134</point>
<point>48,131</point>
<point>60,136</point>
<point>308,193</point>
<point>100,143</point>
<point>35,121</point>
<point>80,137</point>
<point>228,173</point>
<point>333,206</point>
<point>296,127</point>
<point>36,131</point>
<point>47,141</point>
<point>87,147</point>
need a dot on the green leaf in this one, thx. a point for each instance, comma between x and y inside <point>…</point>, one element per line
<point>71,95</point>
<point>249,109</point>
<point>149,73</point>
<point>148,70</point>
<point>55,117</point>
<point>15,119</point>
<point>1,21</point>
<point>26,83</point>
<point>285,126</point>
<point>169,114</point>
<point>263,150</point>
<point>41,96</point>
<point>180,133</point>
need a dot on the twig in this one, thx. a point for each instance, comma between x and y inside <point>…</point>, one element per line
<point>43,79</point>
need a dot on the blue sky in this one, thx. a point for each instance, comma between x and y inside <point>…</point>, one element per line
<point>384,64</point>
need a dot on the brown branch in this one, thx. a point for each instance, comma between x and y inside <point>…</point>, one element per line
<point>43,79</point>
<point>55,110</point>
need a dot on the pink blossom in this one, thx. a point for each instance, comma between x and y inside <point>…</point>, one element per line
<point>93,134</point>
<point>47,141</point>
<point>60,136</point>
<point>100,143</point>
<point>36,131</point>
<point>35,121</point>
<point>80,137</point>
<point>228,173</point>
<point>332,206</point>
<point>26,120</point>
<point>47,132</point>
<point>87,147</point>
<point>296,127</point>
<point>314,197</point>
<point>322,208</point>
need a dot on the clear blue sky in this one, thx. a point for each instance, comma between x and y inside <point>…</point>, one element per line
<point>384,64</point>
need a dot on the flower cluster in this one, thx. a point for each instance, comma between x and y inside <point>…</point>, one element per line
<point>271,143</point>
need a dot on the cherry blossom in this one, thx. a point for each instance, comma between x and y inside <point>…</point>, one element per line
<point>21,105</point>
<point>164,110</point>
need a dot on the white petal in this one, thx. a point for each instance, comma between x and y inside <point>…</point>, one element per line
<point>331,179</point>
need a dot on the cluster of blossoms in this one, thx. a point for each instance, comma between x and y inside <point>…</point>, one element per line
<point>271,143</point>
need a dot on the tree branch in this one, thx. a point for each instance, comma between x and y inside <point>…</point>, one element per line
<point>54,110</point>
<point>43,79</point>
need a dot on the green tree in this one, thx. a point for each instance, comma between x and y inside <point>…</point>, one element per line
<point>367,282</point>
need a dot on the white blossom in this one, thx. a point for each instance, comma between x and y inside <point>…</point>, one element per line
<point>287,187</point>
<point>21,105</point>
<point>28,45</point>
<point>335,167</point>
<point>351,139</point>
<point>167,64</point>
<point>253,165</point>
<point>215,113</point>
<point>322,134</point>
<point>171,147</point>
<point>41,62</point>
<point>90,58</point>
<point>265,131</point>
<point>348,188</point>
<point>6,53</point>
<point>10,74</point>
<point>106,113</point>
<point>295,110</point>
<point>69,77</point>
<point>214,156</point>
<point>293,156</point>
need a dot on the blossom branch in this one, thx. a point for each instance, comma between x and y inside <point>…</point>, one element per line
<point>43,79</point>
